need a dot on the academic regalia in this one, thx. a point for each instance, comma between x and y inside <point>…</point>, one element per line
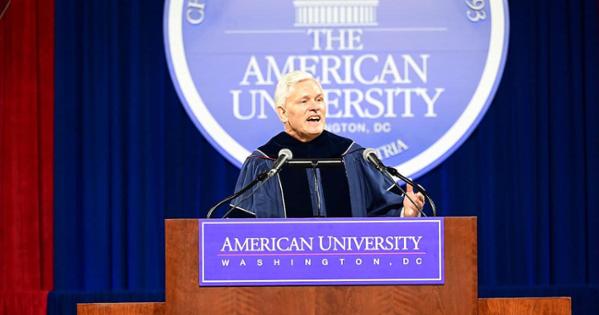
<point>349,187</point>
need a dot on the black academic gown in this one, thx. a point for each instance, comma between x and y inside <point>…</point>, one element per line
<point>352,187</point>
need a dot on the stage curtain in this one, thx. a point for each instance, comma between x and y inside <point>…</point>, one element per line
<point>26,155</point>
<point>127,156</point>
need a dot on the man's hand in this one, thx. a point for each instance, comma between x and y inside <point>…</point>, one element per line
<point>412,209</point>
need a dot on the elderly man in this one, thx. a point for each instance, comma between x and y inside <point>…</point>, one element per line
<point>351,187</point>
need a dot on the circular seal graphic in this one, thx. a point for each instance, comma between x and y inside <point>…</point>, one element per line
<point>411,79</point>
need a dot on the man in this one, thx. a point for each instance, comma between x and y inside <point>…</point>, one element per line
<point>347,186</point>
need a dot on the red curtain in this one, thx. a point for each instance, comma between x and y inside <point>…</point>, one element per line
<point>26,154</point>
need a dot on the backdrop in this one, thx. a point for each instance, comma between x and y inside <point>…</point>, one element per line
<point>127,157</point>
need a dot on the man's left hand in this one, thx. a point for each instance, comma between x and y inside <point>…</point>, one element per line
<point>412,209</point>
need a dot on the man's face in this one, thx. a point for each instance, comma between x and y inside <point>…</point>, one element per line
<point>305,111</point>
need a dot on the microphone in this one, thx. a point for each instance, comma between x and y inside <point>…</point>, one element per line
<point>284,156</point>
<point>370,156</point>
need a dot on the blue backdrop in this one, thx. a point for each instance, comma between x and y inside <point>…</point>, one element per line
<point>127,157</point>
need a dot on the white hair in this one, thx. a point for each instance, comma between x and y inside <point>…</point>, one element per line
<point>288,80</point>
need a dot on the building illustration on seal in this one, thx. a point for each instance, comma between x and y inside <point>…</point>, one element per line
<point>335,12</point>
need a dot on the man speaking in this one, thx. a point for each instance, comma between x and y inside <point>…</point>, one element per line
<point>329,176</point>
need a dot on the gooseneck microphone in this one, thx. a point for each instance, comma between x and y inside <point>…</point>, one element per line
<point>284,156</point>
<point>370,156</point>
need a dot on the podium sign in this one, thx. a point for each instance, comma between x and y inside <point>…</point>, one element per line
<point>334,251</point>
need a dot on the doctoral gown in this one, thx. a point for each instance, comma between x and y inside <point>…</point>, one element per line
<point>351,187</point>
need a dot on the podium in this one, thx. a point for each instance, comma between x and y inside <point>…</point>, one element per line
<point>459,294</point>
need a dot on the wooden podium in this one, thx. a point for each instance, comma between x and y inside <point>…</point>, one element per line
<point>459,294</point>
